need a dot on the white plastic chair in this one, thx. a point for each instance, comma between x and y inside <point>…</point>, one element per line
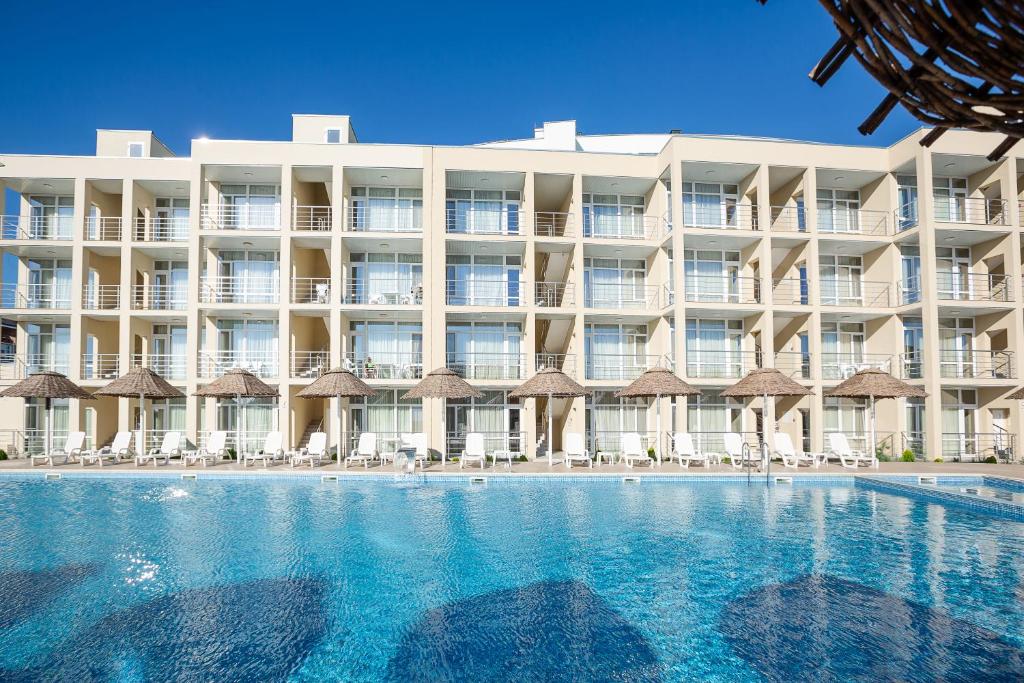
<point>576,451</point>
<point>270,452</point>
<point>684,451</point>
<point>170,446</point>
<point>215,448</point>
<point>120,447</point>
<point>365,451</point>
<point>474,450</point>
<point>314,453</point>
<point>849,458</point>
<point>791,457</point>
<point>633,450</point>
<point>738,455</point>
<point>71,451</point>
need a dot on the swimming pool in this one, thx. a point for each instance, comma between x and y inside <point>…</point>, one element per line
<point>154,579</point>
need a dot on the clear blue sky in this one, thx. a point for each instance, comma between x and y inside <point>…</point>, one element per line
<point>424,72</point>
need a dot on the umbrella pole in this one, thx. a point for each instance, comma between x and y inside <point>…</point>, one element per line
<point>337,425</point>
<point>141,444</point>
<point>657,429</point>
<point>238,429</point>
<point>873,436</point>
<point>444,431</point>
<point>48,438</point>
<point>551,443</point>
<point>765,453</point>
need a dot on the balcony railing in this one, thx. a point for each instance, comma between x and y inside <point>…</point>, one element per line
<point>860,293</point>
<point>724,216</point>
<point>566,362</point>
<point>45,295</point>
<point>790,291</point>
<point>915,442</point>
<point>242,217</point>
<point>101,297</point>
<point>309,364</point>
<point>908,291</point>
<point>474,221</point>
<point>977,446</point>
<point>311,290</point>
<point>311,218</point>
<point>906,217</point>
<point>167,365</point>
<point>723,289</point>
<point>161,229</point>
<point>974,287</point>
<point>159,297</point>
<point>385,365</point>
<point>788,219</point>
<point>51,227</point>
<point>620,225</point>
<point>103,228</point>
<point>16,367</point>
<point>487,366</point>
<point>842,365</point>
<point>553,224</point>
<point>383,291</point>
<point>721,364</point>
<point>795,364</point>
<point>619,366</point>
<point>971,210</point>
<point>260,363</point>
<point>853,221</point>
<point>976,365</point>
<point>621,295</point>
<point>555,294</point>
<point>100,366</point>
<point>385,219</point>
<point>911,365</point>
<point>484,293</point>
<point>239,290</point>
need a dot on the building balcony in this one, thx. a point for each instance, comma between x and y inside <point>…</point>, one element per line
<point>172,366</point>
<point>501,293</point>
<point>838,221</point>
<point>721,364</point>
<point>619,367</point>
<point>382,291</point>
<point>908,291</point>
<point>101,366</point>
<point>488,366</point>
<point>239,290</point>
<point>213,364</point>
<point>622,225</point>
<point>974,287</point>
<point>565,362</point>
<point>911,365</point>
<point>622,295</point>
<point>51,296</point>
<point>790,291</point>
<point>838,366</point>
<point>480,221</point>
<point>976,365</point>
<point>312,218</point>
<point>721,216</point>
<point>553,224</point>
<point>977,446</point>
<point>970,210</point>
<point>385,219</point>
<point>311,290</point>
<point>855,293</point>
<point>388,365</point>
<point>42,228</point>
<point>723,289</point>
<point>244,217</point>
<point>555,294</point>
<point>790,218</point>
<point>794,364</point>
<point>103,228</point>
<point>161,229</point>
<point>18,367</point>
<point>309,364</point>
<point>101,297</point>
<point>906,217</point>
<point>159,298</point>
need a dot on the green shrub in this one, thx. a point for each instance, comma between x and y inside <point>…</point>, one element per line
<point>938,459</point>
<point>991,460</point>
<point>3,454</point>
<point>522,458</point>
<point>908,456</point>
<point>726,460</point>
<point>232,454</point>
<point>650,452</point>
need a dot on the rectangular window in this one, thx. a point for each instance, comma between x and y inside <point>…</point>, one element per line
<point>332,136</point>
<point>135,149</point>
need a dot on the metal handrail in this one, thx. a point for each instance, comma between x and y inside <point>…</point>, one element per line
<point>622,295</point>
<point>311,290</point>
<point>553,224</point>
<point>103,228</point>
<point>554,294</point>
<point>311,218</point>
<point>725,288</point>
<point>247,289</point>
<point>242,217</point>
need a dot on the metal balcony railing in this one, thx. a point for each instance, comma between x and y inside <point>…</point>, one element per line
<point>239,290</point>
<point>790,291</point>
<point>241,217</point>
<point>724,216</point>
<point>853,221</point>
<point>311,290</point>
<point>488,366</point>
<point>620,295</point>
<point>911,365</point>
<point>915,442</point>
<point>553,224</point>
<point>908,291</point>
<point>311,218</point>
<point>484,293</point>
<point>794,364</point>
<point>161,229</point>
<point>103,228</point>
<point>860,293</point>
<point>49,227</point>
<point>555,294</point>
<point>974,287</point>
<point>101,297</point>
<point>100,366</point>
<point>159,297</point>
<point>721,364</point>
<point>723,289</point>
<point>385,365</point>
<point>906,217</point>
<point>309,364</point>
<point>978,446</point>
<point>566,362</point>
<point>171,366</point>
<point>624,225</point>
<point>16,367</point>
<point>480,221</point>
<point>382,291</point>
<point>36,295</point>
<point>976,365</point>
<point>789,218</point>
<point>213,364</point>
<point>619,366</point>
<point>361,218</point>
<point>842,365</point>
<point>971,210</point>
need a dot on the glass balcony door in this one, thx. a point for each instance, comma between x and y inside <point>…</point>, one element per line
<point>910,260</point>
<point>485,350</point>
<point>52,217</point>
<point>49,284</point>
<point>249,344</point>
<point>170,285</point>
<point>953,266</point>
<point>950,199</point>
<point>956,347</point>
<point>391,209</point>
<point>841,280</point>
<point>251,207</point>
<point>249,276</point>
<point>49,347</point>
<point>613,215</point>
<point>907,211</point>
<point>385,278</point>
<point>171,219</point>
<point>714,348</point>
<point>483,280</point>
<point>838,210</point>
<point>843,349</point>
<point>614,283</point>
<point>959,422</point>
<point>710,205</point>
<point>615,351</point>
<point>709,416</point>
<point>913,348</point>
<point>712,276</point>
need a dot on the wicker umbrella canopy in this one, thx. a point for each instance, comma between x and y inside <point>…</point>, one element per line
<point>657,382</point>
<point>765,382</point>
<point>442,383</point>
<point>237,382</point>
<point>141,382</point>
<point>551,383</point>
<point>1017,395</point>
<point>46,385</point>
<point>875,383</point>
<point>337,383</point>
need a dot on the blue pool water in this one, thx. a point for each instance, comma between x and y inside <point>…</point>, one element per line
<point>134,579</point>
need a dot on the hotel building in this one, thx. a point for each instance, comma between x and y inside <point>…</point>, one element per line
<point>602,255</point>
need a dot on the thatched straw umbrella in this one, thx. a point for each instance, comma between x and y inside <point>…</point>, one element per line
<point>872,384</point>
<point>657,382</point>
<point>144,383</point>
<point>337,383</point>
<point>551,383</point>
<point>238,384</point>
<point>442,383</point>
<point>1017,395</point>
<point>47,385</point>
<point>765,382</point>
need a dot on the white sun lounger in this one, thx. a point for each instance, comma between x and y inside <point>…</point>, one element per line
<point>170,446</point>
<point>270,452</point>
<point>576,451</point>
<point>474,450</point>
<point>365,450</point>
<point>71,451</point>
<point>849,458</point>
<point>314,452</point>
<point>791,457</point>
<point>214,450</point>
<point>737,454</point>
<point>120,447</point>
<point>684,451</point>
<point>633,450</point>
